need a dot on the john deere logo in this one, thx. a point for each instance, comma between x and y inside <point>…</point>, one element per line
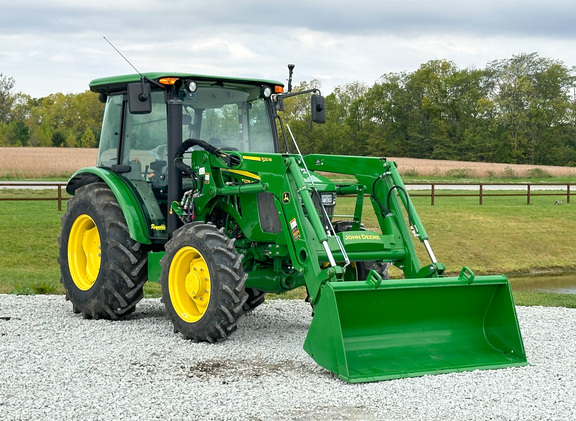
<point>286,197</point>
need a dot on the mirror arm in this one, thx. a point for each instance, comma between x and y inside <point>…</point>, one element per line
<point>280,97</point>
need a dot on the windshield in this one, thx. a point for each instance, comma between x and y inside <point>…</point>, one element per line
<point>230,116</point>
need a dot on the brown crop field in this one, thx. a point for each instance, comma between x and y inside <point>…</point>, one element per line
<point>27,163</point>
<point>464,169</point>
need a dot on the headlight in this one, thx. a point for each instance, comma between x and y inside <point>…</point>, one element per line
<point>191,86</point>
<point>266,91</point>
<point>328,199</point>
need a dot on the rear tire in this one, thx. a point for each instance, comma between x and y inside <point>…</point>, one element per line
<point>102,269</point>
<point>359,270</point>
<point>364,268</point>
<point>255,298</point>
<point>203,283</point>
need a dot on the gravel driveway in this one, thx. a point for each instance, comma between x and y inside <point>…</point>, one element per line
<point>54,365</point>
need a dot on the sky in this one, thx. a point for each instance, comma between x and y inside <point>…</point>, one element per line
<point>59,46</point>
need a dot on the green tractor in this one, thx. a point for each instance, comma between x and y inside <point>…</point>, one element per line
<point>195,188</point>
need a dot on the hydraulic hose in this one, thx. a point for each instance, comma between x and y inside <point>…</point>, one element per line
<point>179,158</point>
<point>403,190</point>
<point>383,210</point>
<point>386,209</point>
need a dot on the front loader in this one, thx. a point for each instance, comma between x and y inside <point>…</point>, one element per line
<point>191,189</point>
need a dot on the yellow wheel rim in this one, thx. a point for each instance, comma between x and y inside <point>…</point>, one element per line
<point>189,284</point>
<point>84,252</point>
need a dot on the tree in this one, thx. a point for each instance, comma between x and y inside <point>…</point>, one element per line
<point>58,138</point>
<point>88,139</point>
<point>346,119</point>
<point>71,115</point>
<point>71,141</point>
<point>518,110</point>
<point>388,109</point>
<point>41,135</point>
<point>6,99</point>
<point>533,100</point>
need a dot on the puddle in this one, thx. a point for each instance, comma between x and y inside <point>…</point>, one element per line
<point>563,284</point>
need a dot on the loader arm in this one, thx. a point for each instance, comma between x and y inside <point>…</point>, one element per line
<point>315,253</point>
<point>381,181</point>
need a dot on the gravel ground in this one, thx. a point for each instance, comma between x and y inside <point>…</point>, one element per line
<point>54,365</point>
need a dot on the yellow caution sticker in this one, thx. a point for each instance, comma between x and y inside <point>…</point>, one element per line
<point>295,229</point>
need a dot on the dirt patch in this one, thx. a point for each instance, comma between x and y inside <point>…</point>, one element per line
<point>234,370</point>
<point>324,413</point>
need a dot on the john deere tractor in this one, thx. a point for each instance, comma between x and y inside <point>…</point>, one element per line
<point>195,188</point>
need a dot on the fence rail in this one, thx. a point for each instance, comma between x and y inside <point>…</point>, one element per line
<point>482,190</point>
<point>432,190</point>
<point>54,185</point>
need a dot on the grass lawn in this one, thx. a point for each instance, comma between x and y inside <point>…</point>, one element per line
<point>502,236</point>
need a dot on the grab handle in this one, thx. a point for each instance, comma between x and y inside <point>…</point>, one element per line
<point>466,275</point>
<point>374,279</point>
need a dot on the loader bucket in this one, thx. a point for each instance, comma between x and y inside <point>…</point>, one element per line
<point>406,328</point>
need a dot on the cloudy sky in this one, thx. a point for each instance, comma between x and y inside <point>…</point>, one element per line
<point>51,46</point>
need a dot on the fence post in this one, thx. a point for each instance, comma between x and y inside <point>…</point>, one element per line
<point>59,197</point>
<point>480,194</point>
<point>527,194</point>
<point>432,194</point>
<point>568,193</point>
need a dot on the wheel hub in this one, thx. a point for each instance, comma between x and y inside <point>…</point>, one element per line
<point>196,282</point>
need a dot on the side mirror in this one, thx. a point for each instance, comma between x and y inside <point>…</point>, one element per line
<point>318,109</point>
<point>139,97</point>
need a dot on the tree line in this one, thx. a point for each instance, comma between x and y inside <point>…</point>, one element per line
<point>517,110</point>
<point>62,120</point>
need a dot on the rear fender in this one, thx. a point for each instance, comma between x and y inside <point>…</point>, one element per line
<point>135,219</point>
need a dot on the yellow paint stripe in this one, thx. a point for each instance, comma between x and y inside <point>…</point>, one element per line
<point>246,174</point>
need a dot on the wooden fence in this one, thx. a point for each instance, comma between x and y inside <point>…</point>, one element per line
<point>482,190</point>
<point>431,190</point>
<point>48,185</point>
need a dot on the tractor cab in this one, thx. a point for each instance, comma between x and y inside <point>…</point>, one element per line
<point>232,114</point>
<point>235,115</point>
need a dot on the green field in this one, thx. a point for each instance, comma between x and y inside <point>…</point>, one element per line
<point>502,236</point>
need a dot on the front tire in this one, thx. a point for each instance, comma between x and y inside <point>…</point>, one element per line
<point>102,269</point>
<point>203,283</point>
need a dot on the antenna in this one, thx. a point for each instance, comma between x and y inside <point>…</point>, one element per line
<point>122,55</point>
<point>138,92</point>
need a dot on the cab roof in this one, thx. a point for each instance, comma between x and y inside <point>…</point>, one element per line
<point>111,84</point>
